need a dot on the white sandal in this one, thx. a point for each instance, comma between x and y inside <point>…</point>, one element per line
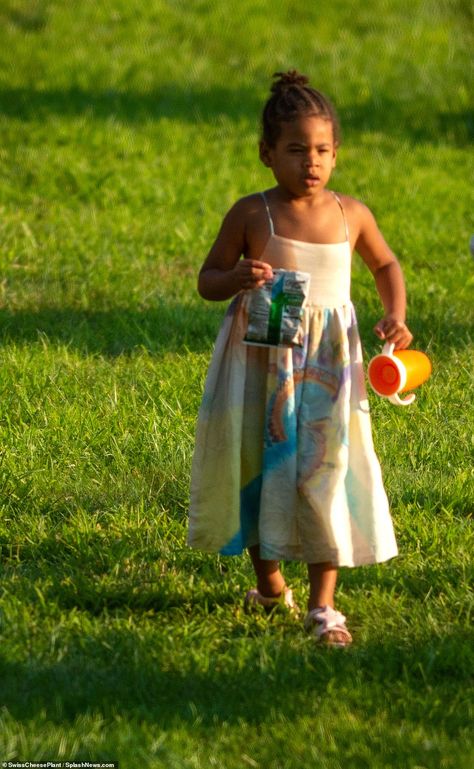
<point>329,626</point>
<point>255,599</point>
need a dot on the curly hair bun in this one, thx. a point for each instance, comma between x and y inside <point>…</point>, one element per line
<point>292,97</point>
<point>288,79</point>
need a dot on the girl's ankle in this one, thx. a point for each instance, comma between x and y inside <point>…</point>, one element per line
<point>312,605</point>
<point>271,591</point>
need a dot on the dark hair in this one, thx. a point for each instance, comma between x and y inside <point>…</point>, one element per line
<point>291,98</point>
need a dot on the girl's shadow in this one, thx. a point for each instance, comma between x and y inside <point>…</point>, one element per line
<point>168,327</point>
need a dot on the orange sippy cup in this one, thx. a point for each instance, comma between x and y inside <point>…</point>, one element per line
<point>392,373</point>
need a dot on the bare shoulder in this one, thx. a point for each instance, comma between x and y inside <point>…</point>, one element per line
<point>236,235</point>
<point>245,208</point>
<point>360,219</point>
<point>366,237</point>
<point>247,219</point>
<point>358,213</point>
<point>240,218</point>
<point>234,223</point>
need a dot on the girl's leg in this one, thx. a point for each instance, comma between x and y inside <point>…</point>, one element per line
<point>322,585</point>
<point>270,581</point>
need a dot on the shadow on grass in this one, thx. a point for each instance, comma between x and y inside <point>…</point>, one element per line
<point>120,673</point>
<point>156,672</point>
<point>413,120</point>
<point>121,576</point>
<point>168,327</point>
<point>175,327</point>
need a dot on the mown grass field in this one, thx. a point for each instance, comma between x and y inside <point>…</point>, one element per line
<point>127,130</point>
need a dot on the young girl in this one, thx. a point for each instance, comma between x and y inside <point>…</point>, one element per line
<point>284,463</point>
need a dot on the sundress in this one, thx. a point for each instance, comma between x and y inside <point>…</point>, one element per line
<point>284,456</point>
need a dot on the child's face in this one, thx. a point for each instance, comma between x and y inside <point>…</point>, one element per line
<point>303,156</point>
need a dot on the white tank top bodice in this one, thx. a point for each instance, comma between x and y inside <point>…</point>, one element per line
<point>328,264</point>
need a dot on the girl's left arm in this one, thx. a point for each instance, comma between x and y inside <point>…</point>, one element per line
<point>388,276</point>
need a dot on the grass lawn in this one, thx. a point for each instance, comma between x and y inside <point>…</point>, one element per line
<point>127,130</point>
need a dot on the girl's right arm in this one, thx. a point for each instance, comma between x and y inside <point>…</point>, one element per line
<point>224,273</point>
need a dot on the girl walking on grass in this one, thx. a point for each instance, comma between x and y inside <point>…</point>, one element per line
<point>284,463</point>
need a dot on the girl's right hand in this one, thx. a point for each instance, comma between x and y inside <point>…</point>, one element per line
<point>250,274</point>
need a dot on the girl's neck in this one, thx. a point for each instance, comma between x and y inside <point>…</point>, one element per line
<point>313,219</point>
<point>279,195</point>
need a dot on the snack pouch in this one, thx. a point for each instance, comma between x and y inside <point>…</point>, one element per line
<point>275,310</point>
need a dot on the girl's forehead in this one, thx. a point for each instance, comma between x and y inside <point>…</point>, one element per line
<point>307,128</point>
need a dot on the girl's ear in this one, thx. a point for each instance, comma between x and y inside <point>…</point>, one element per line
<point>264,153</point>
<point>334,157</point>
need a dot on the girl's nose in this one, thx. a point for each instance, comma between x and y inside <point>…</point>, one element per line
<point>311,159</point>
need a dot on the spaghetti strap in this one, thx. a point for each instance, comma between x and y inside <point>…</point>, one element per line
<point>339,202</point>
<point>270,220</point>
<point>336,198</point>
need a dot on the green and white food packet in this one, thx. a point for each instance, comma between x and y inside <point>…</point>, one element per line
<point>275,310</point>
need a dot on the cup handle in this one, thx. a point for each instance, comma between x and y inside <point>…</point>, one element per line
<point>388,349</point>
<point>401,401</point>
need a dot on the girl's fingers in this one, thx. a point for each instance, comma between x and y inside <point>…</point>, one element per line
<point>395,332</point>
<point>253,274</point>
<point>261,269</point>
<point>261,265</point>
<point>379,331</point>
<point>400,339</point>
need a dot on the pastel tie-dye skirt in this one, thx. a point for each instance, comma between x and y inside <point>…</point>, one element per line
<point>284,456</point>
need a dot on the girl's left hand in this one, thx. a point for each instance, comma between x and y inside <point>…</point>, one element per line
<point>395,331</point>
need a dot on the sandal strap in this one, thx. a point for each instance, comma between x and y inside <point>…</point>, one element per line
<point>325,619</point>
<point>286,598</point>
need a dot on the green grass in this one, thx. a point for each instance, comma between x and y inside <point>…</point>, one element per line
<point>127,130</point>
